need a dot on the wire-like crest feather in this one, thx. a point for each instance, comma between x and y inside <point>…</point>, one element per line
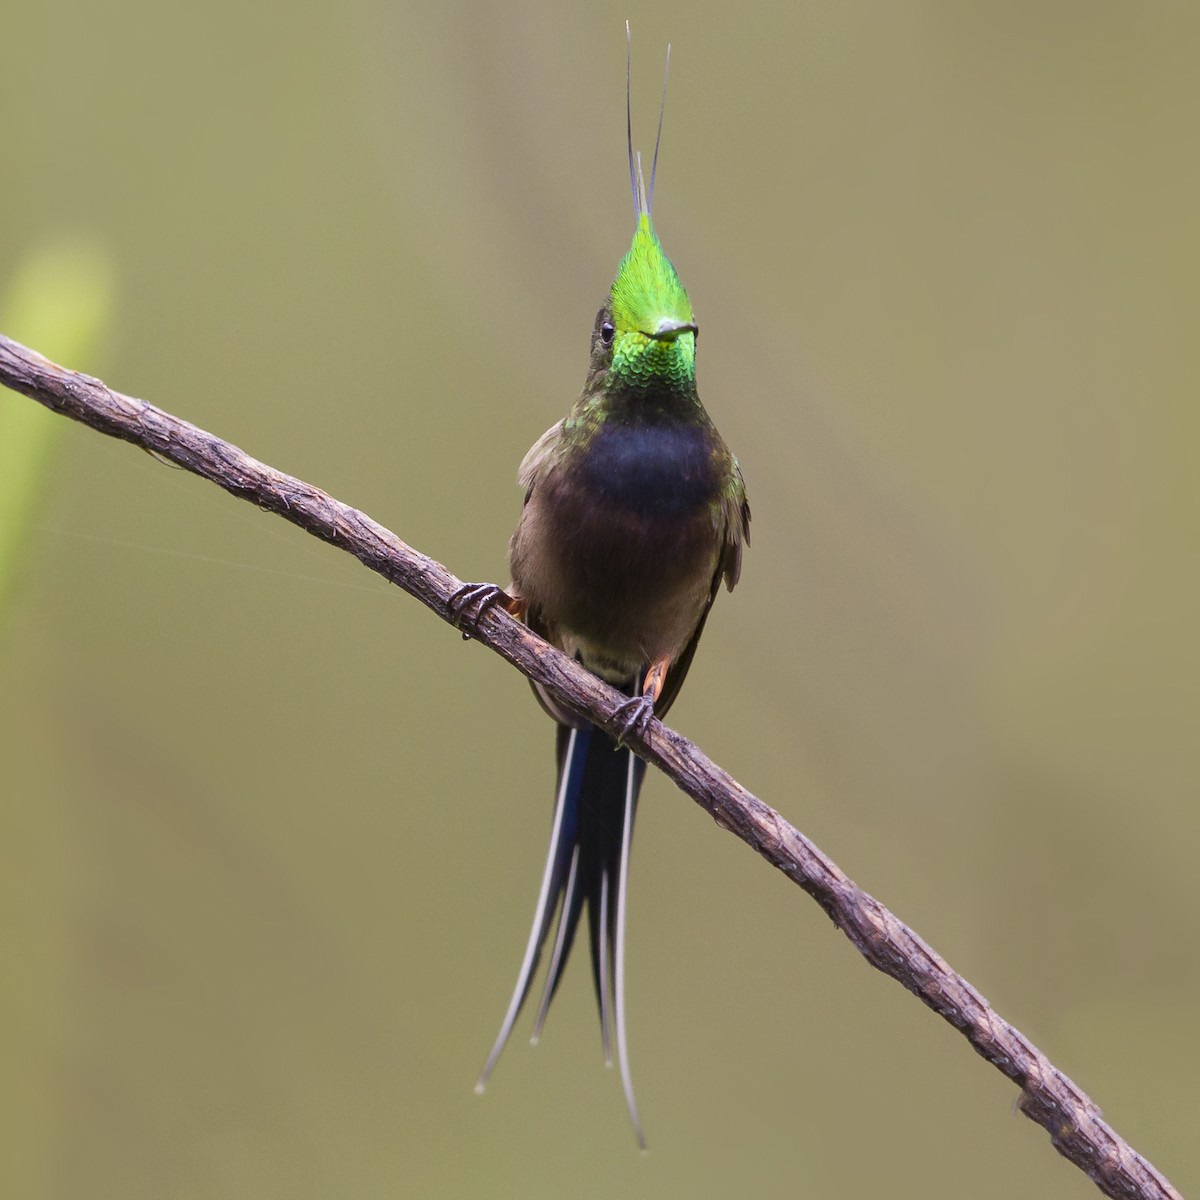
<point>643,197</point>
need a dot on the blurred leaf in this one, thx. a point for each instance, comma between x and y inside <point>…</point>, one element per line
<point>60,303</point>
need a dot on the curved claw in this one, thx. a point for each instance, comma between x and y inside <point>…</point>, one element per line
<point>634,716</point>
<point>470,602</point>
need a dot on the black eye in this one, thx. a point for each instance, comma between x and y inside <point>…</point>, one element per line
<point>607,330</point>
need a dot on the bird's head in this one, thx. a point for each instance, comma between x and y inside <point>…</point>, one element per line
<point>645,336</point>
<point>648,324</point>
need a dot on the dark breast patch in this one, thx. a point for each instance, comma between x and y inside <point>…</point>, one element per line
<point>651,471</point>
<point>630,522</point>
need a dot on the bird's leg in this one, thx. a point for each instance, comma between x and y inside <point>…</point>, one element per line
<point>472,600</point>
<point>634,715</point>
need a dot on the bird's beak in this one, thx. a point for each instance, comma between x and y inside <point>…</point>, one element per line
<point>668,330</point>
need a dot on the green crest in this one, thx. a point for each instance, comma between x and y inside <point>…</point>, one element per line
<point>655,326</point>
<point>647,296</point>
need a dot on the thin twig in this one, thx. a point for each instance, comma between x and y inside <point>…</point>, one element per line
<point>1047,1095</point>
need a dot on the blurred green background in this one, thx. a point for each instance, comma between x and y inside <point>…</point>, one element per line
<point>272,835</point>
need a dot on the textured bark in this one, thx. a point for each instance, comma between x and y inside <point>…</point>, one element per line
<point>1047,1095</point>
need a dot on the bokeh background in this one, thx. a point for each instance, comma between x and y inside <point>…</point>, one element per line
<point>272,834</point>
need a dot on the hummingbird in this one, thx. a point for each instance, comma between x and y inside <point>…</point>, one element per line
<point>635,513</point>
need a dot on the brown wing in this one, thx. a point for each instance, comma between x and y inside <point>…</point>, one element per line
<point>735,511</point>
<point>533,466</point>
<point>536,457</point>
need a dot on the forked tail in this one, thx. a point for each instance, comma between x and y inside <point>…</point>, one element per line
<point>588,864</point>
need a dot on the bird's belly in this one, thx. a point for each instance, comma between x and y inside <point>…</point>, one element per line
<point>620,562</point>
<point>632,588</point>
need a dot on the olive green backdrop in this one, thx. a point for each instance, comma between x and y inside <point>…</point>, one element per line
<point>272,834</point>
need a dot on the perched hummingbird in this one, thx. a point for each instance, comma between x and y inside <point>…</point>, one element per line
<point>635,511</point>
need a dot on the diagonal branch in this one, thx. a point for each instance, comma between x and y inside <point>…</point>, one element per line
<point>1047,1095</point>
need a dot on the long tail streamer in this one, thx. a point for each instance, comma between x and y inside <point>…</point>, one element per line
<point>587,866</point>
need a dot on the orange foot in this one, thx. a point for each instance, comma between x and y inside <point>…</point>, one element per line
<point>634,715</point>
